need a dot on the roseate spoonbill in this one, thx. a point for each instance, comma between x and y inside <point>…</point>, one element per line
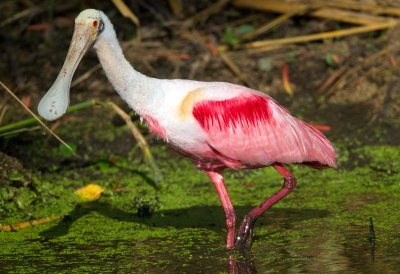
<point>215,124</point>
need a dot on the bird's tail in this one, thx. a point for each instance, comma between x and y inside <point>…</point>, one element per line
<point>323,151</point>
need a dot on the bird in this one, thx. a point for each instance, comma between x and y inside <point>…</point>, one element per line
<point>217,125</point>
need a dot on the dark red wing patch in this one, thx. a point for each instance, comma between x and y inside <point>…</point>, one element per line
<point>244,111</point>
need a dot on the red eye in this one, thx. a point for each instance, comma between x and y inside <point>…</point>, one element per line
<point>95,23</point>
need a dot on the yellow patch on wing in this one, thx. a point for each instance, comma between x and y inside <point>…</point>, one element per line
<point>185,108</point>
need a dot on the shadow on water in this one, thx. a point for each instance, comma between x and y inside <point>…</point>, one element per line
<point>210,217</point>
<point>195,243</point>
<point>243,264</point>
<point>203,217</point>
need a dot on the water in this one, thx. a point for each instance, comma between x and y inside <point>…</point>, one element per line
<point>322,227</point>
<point>286,241</point>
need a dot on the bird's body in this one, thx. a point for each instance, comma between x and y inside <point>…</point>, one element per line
<point>220,125</point>
<point>217,125</point>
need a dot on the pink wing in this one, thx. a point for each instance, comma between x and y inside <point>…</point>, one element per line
<point>252,130</point>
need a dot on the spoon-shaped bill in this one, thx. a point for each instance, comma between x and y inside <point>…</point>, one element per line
<point>56,101</point>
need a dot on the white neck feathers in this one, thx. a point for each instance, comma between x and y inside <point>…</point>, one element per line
<point>135,88</point>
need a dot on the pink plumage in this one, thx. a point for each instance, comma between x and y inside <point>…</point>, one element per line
<point>252,131</point>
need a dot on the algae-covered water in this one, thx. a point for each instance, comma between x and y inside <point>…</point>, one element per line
<point>322,227</point>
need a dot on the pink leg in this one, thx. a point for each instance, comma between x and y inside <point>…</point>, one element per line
<point>230,215</point>
<point>245,234</point>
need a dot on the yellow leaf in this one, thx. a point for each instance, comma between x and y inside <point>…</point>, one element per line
<point>89,193</point>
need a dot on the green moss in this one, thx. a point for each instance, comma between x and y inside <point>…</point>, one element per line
<point>324,220</point>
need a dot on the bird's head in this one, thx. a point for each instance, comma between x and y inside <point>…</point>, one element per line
<point>89,27</point>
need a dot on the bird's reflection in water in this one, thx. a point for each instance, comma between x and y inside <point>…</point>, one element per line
<point>242,264</point>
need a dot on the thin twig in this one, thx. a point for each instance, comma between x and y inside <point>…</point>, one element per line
<point>234,68</point>
<point>348,73</point>
<point>318,36</point>
<point>359,6</point>
<point>3,109</point>
<point>271,44</point>
<point>35,10</point>
<point>32,121</point>
<point>331,79</point>
<point>367,61</point>
<point>351,17</point>
<point>19,131</point>
<point>371,70</point>
<point>256,50</point>
<point>135,131</point>
<point>86,75</point>
<point>206,13</point>
<point>266,27</point>
<point>140,140</point>
<point>272,5</point>
<point>29,223</point>
<point>127,12</point>
<point>35,116</point>
<point>177,7</point>
<point>30,11</point>
<point>232,24</point>
<point>319,10</point>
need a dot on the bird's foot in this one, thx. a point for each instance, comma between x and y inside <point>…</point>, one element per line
<point>244,238</point>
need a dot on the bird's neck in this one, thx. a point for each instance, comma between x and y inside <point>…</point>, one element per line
<point>135,88</point>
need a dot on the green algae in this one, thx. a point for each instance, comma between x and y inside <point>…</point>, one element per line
<point>321,227</point>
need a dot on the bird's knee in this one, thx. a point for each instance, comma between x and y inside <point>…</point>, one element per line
<point>289,183</point>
